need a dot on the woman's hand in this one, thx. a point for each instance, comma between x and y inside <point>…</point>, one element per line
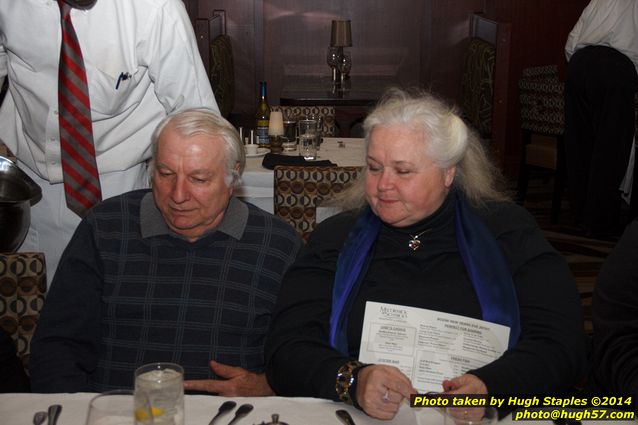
<point>464,384</point>
<point>238,382</point>
<point>380,390</point>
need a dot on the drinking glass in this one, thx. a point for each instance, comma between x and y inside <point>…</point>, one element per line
<point>469,415</point>
<point>290,135</point>
<point>119,407</point>
<point>308,146</point>
<point>163,384</point>
<point>308,138</point>
<point>345,64</point>
<point>333,60</point>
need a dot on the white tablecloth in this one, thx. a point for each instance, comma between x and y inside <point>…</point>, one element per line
<point>257,181</point>
<point>18,409</point>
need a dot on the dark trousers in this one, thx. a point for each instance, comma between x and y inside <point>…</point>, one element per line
<point>599,132</point>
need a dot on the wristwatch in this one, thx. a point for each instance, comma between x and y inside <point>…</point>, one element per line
<point>345,378</point>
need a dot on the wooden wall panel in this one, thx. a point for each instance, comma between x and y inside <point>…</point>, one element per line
<point>385,33</point>
<point>420,42</point>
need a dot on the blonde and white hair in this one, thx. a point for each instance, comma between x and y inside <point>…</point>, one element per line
<point>447,141</point>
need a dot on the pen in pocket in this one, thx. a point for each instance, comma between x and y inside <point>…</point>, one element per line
<point>123,77</point>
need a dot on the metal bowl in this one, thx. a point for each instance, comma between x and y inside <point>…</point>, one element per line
<point>17,193</point>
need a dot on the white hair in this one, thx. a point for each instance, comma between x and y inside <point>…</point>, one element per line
<point>205,121</point>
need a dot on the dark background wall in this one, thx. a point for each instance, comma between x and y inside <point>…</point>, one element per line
<point>418,42</point>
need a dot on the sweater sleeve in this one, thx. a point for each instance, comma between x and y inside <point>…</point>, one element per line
<point>65,343</point>
<point>300,361</point>
<point>615,306</point>
<point>550,353</point>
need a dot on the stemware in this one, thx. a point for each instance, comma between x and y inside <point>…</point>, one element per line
<point>332,58</point>
<point>120,407</point>
<point>345,64</point>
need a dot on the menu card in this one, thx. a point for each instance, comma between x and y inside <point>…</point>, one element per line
<point>428,346</point>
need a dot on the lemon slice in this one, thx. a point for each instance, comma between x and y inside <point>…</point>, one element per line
<point>141,414</point>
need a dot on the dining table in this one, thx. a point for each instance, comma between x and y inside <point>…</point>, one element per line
<point>20,408</point>
<point>352,100</point>
<point>257,185</point>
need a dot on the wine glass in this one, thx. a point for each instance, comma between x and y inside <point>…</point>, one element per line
<point>333,60</point>
<point>345,64</point>
<point>120,407</point>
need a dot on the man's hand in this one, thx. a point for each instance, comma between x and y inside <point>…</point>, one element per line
<point>238,382</point>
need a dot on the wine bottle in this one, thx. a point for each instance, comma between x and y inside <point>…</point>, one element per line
<point>262,116</point>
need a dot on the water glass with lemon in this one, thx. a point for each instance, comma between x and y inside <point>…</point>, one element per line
<point>163,385</point>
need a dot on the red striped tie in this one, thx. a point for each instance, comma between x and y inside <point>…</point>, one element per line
<point>81,181</point>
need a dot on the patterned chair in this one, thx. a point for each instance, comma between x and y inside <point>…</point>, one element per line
<point>477,85</point>
<point>299,190</point>
<point>542,114</point>
<point>22,292</point>
<point>222,73</point>
<point>326,112</point>
<point>484,81</point>
<point>216,51</point>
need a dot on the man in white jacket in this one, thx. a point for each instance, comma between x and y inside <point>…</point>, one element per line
<point>141,62</point>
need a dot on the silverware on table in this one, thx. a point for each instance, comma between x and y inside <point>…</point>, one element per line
<point>53,413</point>
<point>344,416</point>
<point>226,407</point>
<point>39,418</point>
<point>243,410</point>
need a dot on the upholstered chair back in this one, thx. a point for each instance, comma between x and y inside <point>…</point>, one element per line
<point>299,190</point>
<point>326,112</point>
<point>22,293</point>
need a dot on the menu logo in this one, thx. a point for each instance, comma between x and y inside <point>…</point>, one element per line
<point>393,313</point>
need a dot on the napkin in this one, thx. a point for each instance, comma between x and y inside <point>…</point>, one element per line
<point>272,159</point>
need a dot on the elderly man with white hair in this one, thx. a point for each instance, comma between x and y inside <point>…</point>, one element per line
<point>184,272</point>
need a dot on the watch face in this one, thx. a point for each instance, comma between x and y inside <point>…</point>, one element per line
<point>81,4</point>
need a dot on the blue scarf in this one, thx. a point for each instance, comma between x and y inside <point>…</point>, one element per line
<point>481,256</point>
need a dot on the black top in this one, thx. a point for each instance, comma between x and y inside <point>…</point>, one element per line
<point>615,307</point>
<point>549,356</point>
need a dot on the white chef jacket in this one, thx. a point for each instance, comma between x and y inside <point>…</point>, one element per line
<point>611,23</point>
<point>142,63</point>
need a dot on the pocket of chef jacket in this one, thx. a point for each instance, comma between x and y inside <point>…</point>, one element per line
<point>108,97</point>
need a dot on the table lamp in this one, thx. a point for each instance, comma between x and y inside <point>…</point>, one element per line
<point>340,37</point>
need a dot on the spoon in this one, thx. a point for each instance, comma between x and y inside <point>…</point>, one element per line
<point>226,407</point>
<point>54,412</point>
<point>39,418</point>
<point>344,416</point>
<point>243,410</point>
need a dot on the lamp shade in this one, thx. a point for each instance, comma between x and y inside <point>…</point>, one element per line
<point>341,34</point>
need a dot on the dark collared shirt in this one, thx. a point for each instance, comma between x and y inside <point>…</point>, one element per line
<point>129,291</point>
